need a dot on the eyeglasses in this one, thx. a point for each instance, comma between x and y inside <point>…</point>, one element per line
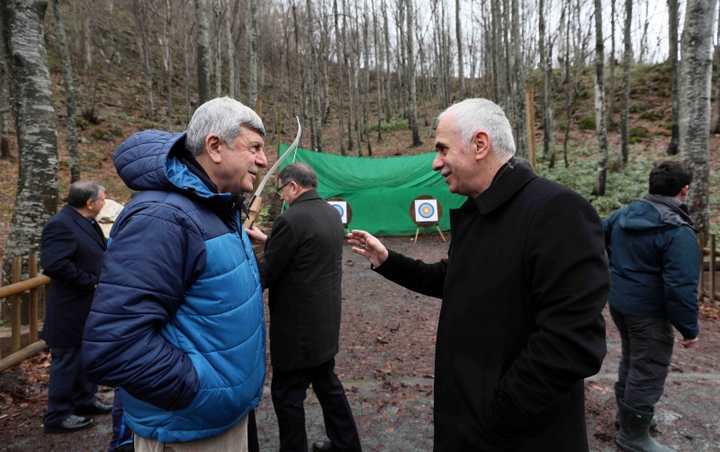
<point>280,188</point>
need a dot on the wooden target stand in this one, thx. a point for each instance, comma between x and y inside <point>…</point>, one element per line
<point>426,224</point>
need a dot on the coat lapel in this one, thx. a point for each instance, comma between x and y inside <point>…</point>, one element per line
<point>87,227</point>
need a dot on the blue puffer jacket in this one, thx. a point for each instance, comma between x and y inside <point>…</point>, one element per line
<point>177,318</point>
<point>654,262</point>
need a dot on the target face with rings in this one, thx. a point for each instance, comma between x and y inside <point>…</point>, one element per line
<point>342,208</point>
<point>426,210</point>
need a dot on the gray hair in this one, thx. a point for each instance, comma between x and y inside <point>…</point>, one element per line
<point>473,115</point>
<point>222,116</point>
<point>301,173</point>
<point>83,191</point>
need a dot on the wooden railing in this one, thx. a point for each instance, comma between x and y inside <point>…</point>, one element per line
<point>709,273</point>
<point>15,294</point>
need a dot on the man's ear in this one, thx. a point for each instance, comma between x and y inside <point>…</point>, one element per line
<point>685,190</point>
<point>481,145</point>
<point>212,147</point>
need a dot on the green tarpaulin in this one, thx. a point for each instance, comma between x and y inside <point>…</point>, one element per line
<point>380,191</point>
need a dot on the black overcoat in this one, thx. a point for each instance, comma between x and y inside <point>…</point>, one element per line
<point>70,254</point>
<point>520,325</point>
<point>302,269</point>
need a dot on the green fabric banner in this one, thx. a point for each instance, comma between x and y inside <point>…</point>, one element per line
<point>380,191</point>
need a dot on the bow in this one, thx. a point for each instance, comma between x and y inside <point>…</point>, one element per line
<point>256,201</point>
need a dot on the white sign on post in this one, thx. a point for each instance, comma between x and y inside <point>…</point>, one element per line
<point>341,207</point>
<point>426,211</point>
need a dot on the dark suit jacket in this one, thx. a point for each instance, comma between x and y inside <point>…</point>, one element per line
<point>302,269</point>
<point>71,254</point>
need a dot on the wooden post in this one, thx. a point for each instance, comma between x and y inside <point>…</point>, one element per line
<point>16,303</point>
<point>530,123</point>
<point>34,296</point>
<point>712,268</point>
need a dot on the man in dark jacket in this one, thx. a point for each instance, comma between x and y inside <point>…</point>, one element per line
<point>654,266</point>
<point>303,271</point>
<point>72,249</point>
<point>177,318</point>
<point>523,290</point>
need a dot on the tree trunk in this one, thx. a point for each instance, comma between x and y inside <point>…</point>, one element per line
<point>695,76</point>
<point>600,114</point>
<point>4,94</point>
<point>627,60</point>
<point>410,14</point>
<point>140,11</point>
<point>388,79</point>
<point>187,58</point>
<point>340,52</point>
<point>36,198</point>
<point>70,94</point>
<point>230,51</point>
<point>518,80</point>
<point>546,65</point>
<point>203,51</point>
<point>673,16</point>
<point>458,38</point>
<point>219,10</point>
<point>167,62</point>
<point>252,49</point>
<point>611,62</point>
<point>716,126</point>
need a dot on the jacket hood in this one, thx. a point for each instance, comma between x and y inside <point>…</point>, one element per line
<point>653,212</point>
<point>149,160</point>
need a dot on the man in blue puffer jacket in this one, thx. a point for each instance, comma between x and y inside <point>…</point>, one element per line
<point>177,317</point>
<point>654,265</point>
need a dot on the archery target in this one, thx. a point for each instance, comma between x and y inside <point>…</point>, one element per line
<point>341,207</point>
<point>426,210</point>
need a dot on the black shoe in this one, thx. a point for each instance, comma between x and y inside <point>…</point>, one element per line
<point>322,446</point>
<point>95,407</point>
<point>71,423</point>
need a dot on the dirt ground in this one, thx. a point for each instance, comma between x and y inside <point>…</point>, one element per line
<point>386,364</point>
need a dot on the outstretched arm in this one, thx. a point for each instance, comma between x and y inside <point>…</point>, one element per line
<point>416,275</point>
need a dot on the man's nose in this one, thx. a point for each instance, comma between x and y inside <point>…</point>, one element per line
<point>261,159</point>
<point>437,163</point>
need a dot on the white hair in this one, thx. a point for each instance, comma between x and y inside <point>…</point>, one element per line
<point>222,116</point>
<point>473,115</point>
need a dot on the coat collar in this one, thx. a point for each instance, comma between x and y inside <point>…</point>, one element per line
<point>307,196</point>
<point>509,179</point>
<point>86,225</point>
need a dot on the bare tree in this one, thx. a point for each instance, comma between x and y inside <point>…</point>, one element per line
<point>627,60</point>
<point>458,39</point>
<point>4,95</point>
<point>716,126</point>
<point>36,197</point>
<point>695,75</point>
<point>546,65</point>
<point>203,50</point>
<point>411,72</point>
<point>252,50</point>
<point>673,13</point>
<point>600,114</point>
<point>167,58</point>
<point>140,10</point>
<point>230,49</point>
<point>70,94</point>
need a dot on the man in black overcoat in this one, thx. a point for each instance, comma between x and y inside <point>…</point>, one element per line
<point>302,269</point>
<point>522,289</point>
<point>71,253</point>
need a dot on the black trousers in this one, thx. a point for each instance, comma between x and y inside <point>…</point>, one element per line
<point>647,346</point>
<point>289,389</point>
<point>68,387</point>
